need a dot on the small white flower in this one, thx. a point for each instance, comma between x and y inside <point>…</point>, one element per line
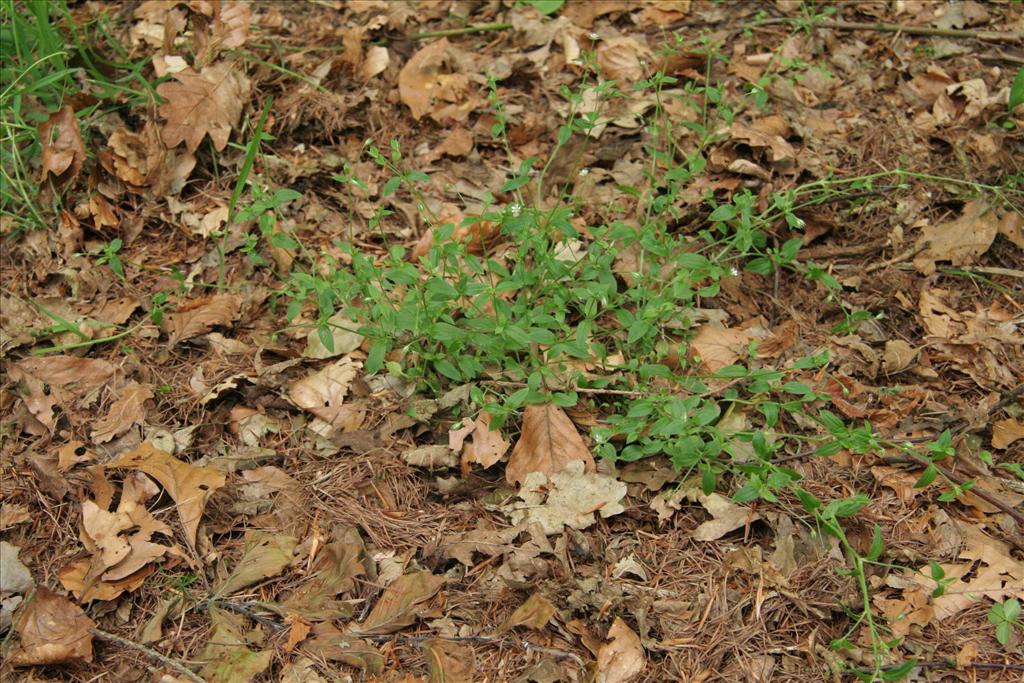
<point>594,36</point>
<point>584,172</point>
<point>734,271</point>
<point>515,209</point>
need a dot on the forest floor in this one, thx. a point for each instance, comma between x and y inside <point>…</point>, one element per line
<point>494,340</point>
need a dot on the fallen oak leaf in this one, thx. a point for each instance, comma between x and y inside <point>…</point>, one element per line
<point>573,496</point>
<point>548,443</point>
<point>623,658</point>
<point>201,316</point>
<point>188,485</point>
<point>53,630</point>
<point>127,411</point>
<point>209,102</point>
<point>63,150</point>
<point>535,613</point>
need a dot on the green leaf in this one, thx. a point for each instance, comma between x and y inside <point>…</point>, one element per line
<point>898,673</point>
<point>927,477</point>
<point>1003,631</point>
<point>762,265</point>
<point>707,482</point>
<point>283,240</point>
<point>445,367</point>
<point>1011,609</point>
<point>725,212</point>
<point>877,545</point>
<point>546,7</point>
<point>1017,89</point>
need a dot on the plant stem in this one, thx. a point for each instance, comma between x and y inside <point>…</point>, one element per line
<point>464,31</point>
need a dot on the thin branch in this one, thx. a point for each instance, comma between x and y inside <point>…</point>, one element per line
<point>524,644</point>
<point>466,30</point>
<point>149,652</point>
<point>989,36</point>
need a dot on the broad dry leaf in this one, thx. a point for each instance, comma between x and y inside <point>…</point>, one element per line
<point>485,446</point>
<point>375,61</point>
<point>343,335</point>
<point>573,496</point>
<point>450,662</point>
<point>899,355</point>
<point>426,88</point>
<point>203,103</point>
<point>12,514</point>
<point>79,578</point>
<point>15,578</point>
<point>396,608</point>
<point>622,59</point>
<point>1005,432</point>
<point>127,411</point>
<point>623,658</point>
<point>265,555</point>
<point>338,566</point>
<point>188,485</point>
<point>535,613</point>
<point>227,656</point>
<point>57,380</point>
<point>727,517</point>
<point>231,25</point>
<point>960,241</point>
<point>53,630</point>
<point>201,316</point>
<point>298,629</point>
<point>717,347</point>
<point>63,150</point>
<point>548,443</point>
<point>323,393</point>
<point>332,644</point>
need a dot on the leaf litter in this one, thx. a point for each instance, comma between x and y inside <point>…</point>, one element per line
<point>242,496</point>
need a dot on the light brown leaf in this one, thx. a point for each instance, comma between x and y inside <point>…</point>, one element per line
<point>338,566</point>
<point>623,658</point>
<point>959,241</point>
<point>396,609</point>
<point>265,555</point>
<point>1005,432</point>
<point>63,149</point>
<point>203,103</point>
<point>12,514</point>
<point>573,496</point>
<point>375,61</point>
<point>323,393</point>
<point>189,486</point>
<point>486,446</point>
<point>449,662</point>
<point>718,347</point>
<point>298,629</point>
<point>426,86</point>
<point>332,644</point>
<point>57,380</point>
<point>535,613</point>
<point>126,412</point>
<point>727,516</point>
<point>227,656</point>
<point>622,59</point>
<point>549,441</point>
<point>231,25</point>
<point>201,316</point>
<point>75,577</point>
<point>53,630</point>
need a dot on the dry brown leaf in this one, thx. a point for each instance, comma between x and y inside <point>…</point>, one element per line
<point>623,658</point>
<point>899,355</point>
<point>1012,227</point>
<point>189,486</point>
<point>396,608</point>
<point>426,87</point>
<point>330,643</point>
<point>583,13</point>
<point>231,25</point>
<point>76,578</point>
<point>535,613</point>
<point>338,566</point>
<point>298,629</point>
<point>1005,432</point>
<point>486,446</point>
<point>12,514</point>
<point>450,662</point>
<point>375,61</point>
<point>323,393</point>
<point>717,347</point>
<point>227,656</point>
<point>959,241</point>
<point>57,380</point>
<point>53,630</point>
<point>127,411</point>
<point>200,316</point>
<point>265,555</point>
<point>727,517</point>
<point>572,498</point>
<point>623,59</point>
<point>203,103</point>
<point>548,443</point>
<point>63,150</point>
<point>459,143</point>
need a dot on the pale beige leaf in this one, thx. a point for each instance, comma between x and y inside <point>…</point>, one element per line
<point>56,380</point>
<point>450,662</point>
<point>727,517</point>
<point>201,316</point>
<point>486,446</point>
<point>53,630</point>
<point>15,578</point>
<point>203,103</point>
<point>189,486</point>
<point>231,26</point>
<point>396,608</point>
<point>622,59</point>
<point>622,659</point>
<point>323,393</point>
<point>573,496</point>
<point>127,411</point>
<point>375,61</point>
<point>548,443</point>
<point>265,555</point>
<point>1005,432</point>
<point>63,151</point>
<point>899,355</point>
<point>12,514</point>
<point>535,613</point>
<point>343,334</point>
<point>717,347</point>
<point>959,241</point>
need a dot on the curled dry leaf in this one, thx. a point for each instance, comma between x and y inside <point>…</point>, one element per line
<point>201,316</point>
<point>323,393</point>
<point>485,446</point>
<point>203,103</point>
<point>623,658</point>
<point>535,613</point>
<point>425,88</point>
<point>265,555</point>
<point>718,347</point>
<point>960,241</point>
<point>63,149</point>
<point>57,380</point>
<point>188,485</point>
<point>53,630</point>
<point>548,443</point>
<point>727,516</point>
<point>1005,432</point>
<point>127,411</point>
<point>397,608</point>
<point>449,662</point>
<point>573,496</point>
<point>622,59</point>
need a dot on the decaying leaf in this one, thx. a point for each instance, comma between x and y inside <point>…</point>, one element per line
<point>338,566</point>
<point>426,88</point>
<point>485,446</point>
<point>57,380</point>
<point>449,662</point>
<point>573,496</point>
<point>535,613</point>
<point>332,644</point>
<point>622,659</point>
<point>188,485</point>
<point>227,655</point>
<point>203,103</point>
<point>127,411</point>
<point>959,241</point>
<point>323,393</point>
<point>548,443</point>
<point>201,316</point>
<point>265,555</point>
<point>53,630</point>
<point>717,347</point>
<point>1005,432</point>
<point>343,336</point>
<point>727,517</point>
<point>63,150</point>
<point>397,607</point>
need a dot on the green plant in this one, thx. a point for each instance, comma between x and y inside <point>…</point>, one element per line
<point>1005,616</point>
